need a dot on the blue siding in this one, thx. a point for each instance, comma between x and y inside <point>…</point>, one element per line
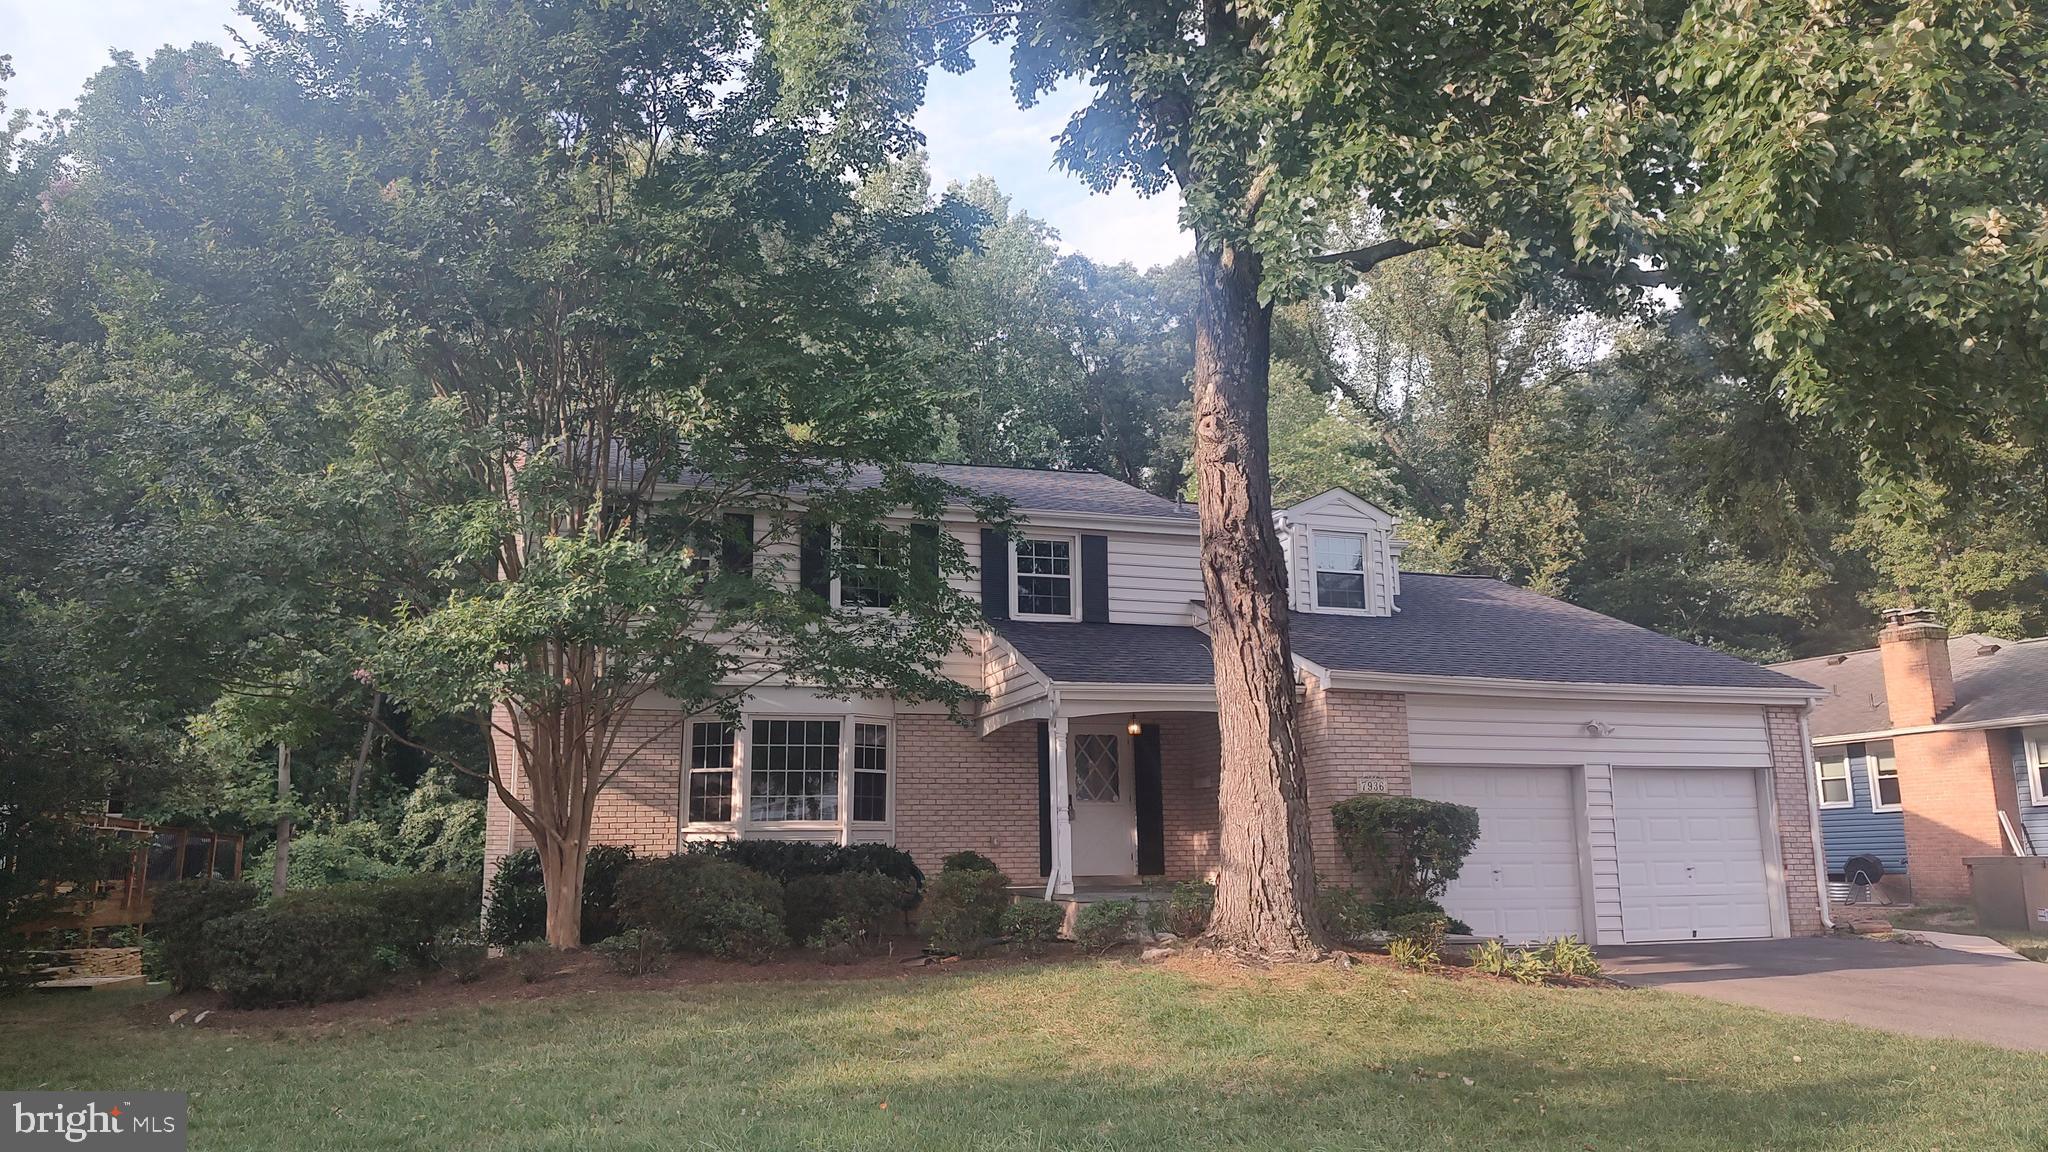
<point>2035,819</point>
<point>1859,831</point>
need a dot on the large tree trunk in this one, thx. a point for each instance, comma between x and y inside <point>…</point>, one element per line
<point>1265,892</point>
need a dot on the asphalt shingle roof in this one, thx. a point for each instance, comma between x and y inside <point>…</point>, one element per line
<point>2007,682</point>
<point>1448,626</point>
<point>1048,490</point>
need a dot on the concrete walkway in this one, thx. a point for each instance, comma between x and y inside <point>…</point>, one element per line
<point>1915,989</point>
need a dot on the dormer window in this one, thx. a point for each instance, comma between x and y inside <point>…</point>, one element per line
<point>1043,583</point>
<point>1339,561</point>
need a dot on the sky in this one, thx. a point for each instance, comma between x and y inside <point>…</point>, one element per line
<point>971,125</point>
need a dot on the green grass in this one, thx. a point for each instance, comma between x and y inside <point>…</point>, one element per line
<point>1958,918</point>
<point>1082,1056</point>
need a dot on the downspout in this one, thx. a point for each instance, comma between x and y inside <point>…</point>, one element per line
<point>1820,847</point>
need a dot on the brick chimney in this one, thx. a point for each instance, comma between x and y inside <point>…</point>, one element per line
<point>1918,683</point>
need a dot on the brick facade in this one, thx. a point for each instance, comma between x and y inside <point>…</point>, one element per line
<point>956,790</point>
<point>1792,783</point>
<point>1347,739</point>
<point>1952,786</point>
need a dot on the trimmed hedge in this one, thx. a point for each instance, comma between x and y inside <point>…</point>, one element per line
<point>175,939</point>
<point>704,904</point>
<point>519,902</point>
<point>294,952</point>
<point>407,913</point>
<point>963,909</point>
<point>786,861</point>
<point>1407,849</point>
<point>866,903</point>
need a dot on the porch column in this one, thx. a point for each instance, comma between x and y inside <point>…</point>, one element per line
<point>1061,881</point>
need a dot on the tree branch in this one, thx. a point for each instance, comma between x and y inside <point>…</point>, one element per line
<point>1373,255</point>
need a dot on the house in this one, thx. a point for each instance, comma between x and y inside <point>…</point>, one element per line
<point>1631,787</point>
<point>1922,744</point>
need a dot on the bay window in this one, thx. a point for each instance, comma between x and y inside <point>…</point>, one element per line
<point>871,773</point>
<point>793,771</point>
<point>711,772</point>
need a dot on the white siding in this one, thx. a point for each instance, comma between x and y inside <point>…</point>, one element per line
<point>1153,577</point>
<point>1340,513</point>
<point>1008,682</point>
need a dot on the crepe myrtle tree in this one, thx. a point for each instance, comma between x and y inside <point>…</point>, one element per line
<point>578,299</point>
<point>1850,187</point>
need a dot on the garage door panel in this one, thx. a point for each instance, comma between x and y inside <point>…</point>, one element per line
<point>1521,881</point>
<point>1689,844</point>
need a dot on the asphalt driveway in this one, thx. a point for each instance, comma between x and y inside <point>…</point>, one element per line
<point>1898,987</point>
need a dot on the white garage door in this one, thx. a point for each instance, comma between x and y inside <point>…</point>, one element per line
<point>1690,848</point>
<point>1521,881</point>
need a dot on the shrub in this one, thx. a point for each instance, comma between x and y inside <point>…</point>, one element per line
<point>635,952</point>
<point>968,861</point>
<point>866,901</point>
<point>519,902</point>
<point>1189,907</point>
<point>1527,967</point>
<point>837,941</point>
<point>1410,923</point>
<point>1032,924</point>
<point>1346,916</point>
<point>963,910</point>
<point>704,904</point>
<point>1568,957</point>
<point>1406,848</point>
<point>1490,957</point>
<point>535,960</point>
<point>461,951</point>
<point>410,912</point>
<point>176,939</point>
<point>1105,924</point>
<point>788,860</point>
<point>294,952</point>
<point>1419,945</point>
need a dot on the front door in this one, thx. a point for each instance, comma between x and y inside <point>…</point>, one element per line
<point>1105,813</point>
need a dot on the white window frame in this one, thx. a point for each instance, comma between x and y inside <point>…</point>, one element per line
<point>838,542</point>
<point>1821,777</point>
<point>2034,753</point>
<point>737,771</point>
<point>745,816</point>
<point>1315,587</point>
<point>1073,543</point>
<point>1870,776</point>
<point>888,819</point>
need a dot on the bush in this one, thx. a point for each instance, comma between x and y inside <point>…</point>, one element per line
<point>1410,923</point>
<point>176,939</point>
<point>963,910</point>
<point>1405,848</point>
<point>409,912</point>
<point>635,952</point>
<point>786,861</point>
<point>535,960</point>
<point>864,902</point>
<point>1347,918</point>
<point>294,952</point>
<point>1490,957</point>
<point>1569,958</point>
<point>1189,907</point>
<point>519,902</point>
<point>461,951</point>
<point>1419,945</point>
<point>968,862</point>
<point>1103,925</point>
<point>1032,924</point>
<point>704,904</point>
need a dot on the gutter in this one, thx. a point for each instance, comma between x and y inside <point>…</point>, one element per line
<point>2026,721</point>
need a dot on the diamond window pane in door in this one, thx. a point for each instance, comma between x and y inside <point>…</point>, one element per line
<point>1097,775</point>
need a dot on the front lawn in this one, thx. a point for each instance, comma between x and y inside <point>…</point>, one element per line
<point>1111,1054</point>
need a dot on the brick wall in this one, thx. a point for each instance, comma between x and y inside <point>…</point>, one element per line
<point>1792,783</point>
<point>1190,760</point>
<point>638,807</point>
<point>1349,737</point>
<point>1952,785</point>
<point>956,790</point>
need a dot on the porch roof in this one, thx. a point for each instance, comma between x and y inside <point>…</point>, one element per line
<point>1112,653</point>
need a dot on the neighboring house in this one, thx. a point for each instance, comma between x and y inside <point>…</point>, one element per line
<point>1922,742</point>
<point>1631,787</point>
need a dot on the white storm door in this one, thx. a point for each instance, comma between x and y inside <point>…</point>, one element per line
<point>1521,882</point>
<point>1689,844</point>
<point>1105,811</point>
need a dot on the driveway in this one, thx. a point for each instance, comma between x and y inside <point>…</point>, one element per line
<point>1898,987</point>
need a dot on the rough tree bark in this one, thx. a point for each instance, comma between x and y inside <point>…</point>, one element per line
<point>1265,891</point>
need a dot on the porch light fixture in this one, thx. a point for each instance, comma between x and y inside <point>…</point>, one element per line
<point>1133,727</point>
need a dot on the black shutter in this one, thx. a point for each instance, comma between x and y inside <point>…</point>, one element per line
<point>923,577</point>
<point>995,575</point>
<point>1095,579</point>
<point>1151,801</point>
<point>736,548</point>
<point>1044,798</point>
<point>814,573</point>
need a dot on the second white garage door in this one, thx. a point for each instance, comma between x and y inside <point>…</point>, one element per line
<point>1689,843</point>
<point>1521,881</point>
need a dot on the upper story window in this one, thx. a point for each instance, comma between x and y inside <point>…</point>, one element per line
<point>1339,562</point>
<point>1043,567</point>
<point>869,569</point>
<point>1884,776</point>
<point>1832,764</point>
